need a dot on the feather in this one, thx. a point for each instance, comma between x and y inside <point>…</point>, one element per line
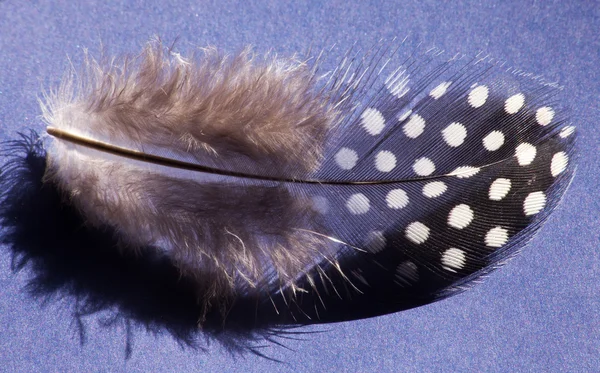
<point>334,196</point>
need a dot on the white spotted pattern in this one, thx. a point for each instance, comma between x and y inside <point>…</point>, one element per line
<point>407,273</point>
<point>478,96</point>
<point>404,115</point>
<point>514,103</point>
<point>439,91</point>
<point>544,115</point>
<point>346,158</point>
<point>375,242</point>
<point>493,141</point>
<point>385,161</point>
<point>372,121</point>
<point>534,203</point>
<point>414,127</point>
<point>429,192</point>
<point>454,134</point>
<point>358,204</point>
<point>567,131</point>
<point>525,154</point>
<point>320,204</point>
<point>417,232</point>
<point>496,237</point>
<point>499,189</point>
<point>397,199</point>
<point>434,189</point>
<point>559,163</point>
<point>423,167</point>
<point>460,216</point>
<point>453,259</point>
<point>464,172</point>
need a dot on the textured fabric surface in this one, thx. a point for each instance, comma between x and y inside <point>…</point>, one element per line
<point>538,313</point>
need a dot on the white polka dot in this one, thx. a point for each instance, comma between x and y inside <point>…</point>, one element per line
<point>453,259</point>
<point>375,242</point>
<point>493,141</point>
<point>567,131</point>
<point>534,203</point>
<point>423,167</point>
<point>346,158</point>
<point>404,115</point>
<point>544,115</point>
<point>320,204</point>
<point>464,172</point>
<point>397,199</point>
<point>496,237</point>
<point>434,189</point>
<point>514,103</point>
<point>372,121</point>
<point>559,163</point>
<point>414,127</point>
<point>478,96</point>
<point>385,161</point>
<point>417,232</point>
<point>460,216</point>
<point>407,273</point>
<point>525,154</point>
<point>499,189</point>
<point>358,204</point>
<point>439,91</point>
<point>454,134</point>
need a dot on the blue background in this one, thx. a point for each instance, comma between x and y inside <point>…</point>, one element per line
<point>539,313</point>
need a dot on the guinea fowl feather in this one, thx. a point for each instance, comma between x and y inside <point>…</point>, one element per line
<point>340,195</point>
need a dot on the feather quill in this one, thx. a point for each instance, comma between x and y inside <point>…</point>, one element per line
<point>336,196</point>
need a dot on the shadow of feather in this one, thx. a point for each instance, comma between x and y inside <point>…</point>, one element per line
<point>69,260</point>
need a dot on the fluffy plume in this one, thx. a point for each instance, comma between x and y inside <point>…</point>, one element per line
<point>243,113</point>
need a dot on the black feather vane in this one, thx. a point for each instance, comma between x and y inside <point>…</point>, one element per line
<point>324,197</point>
